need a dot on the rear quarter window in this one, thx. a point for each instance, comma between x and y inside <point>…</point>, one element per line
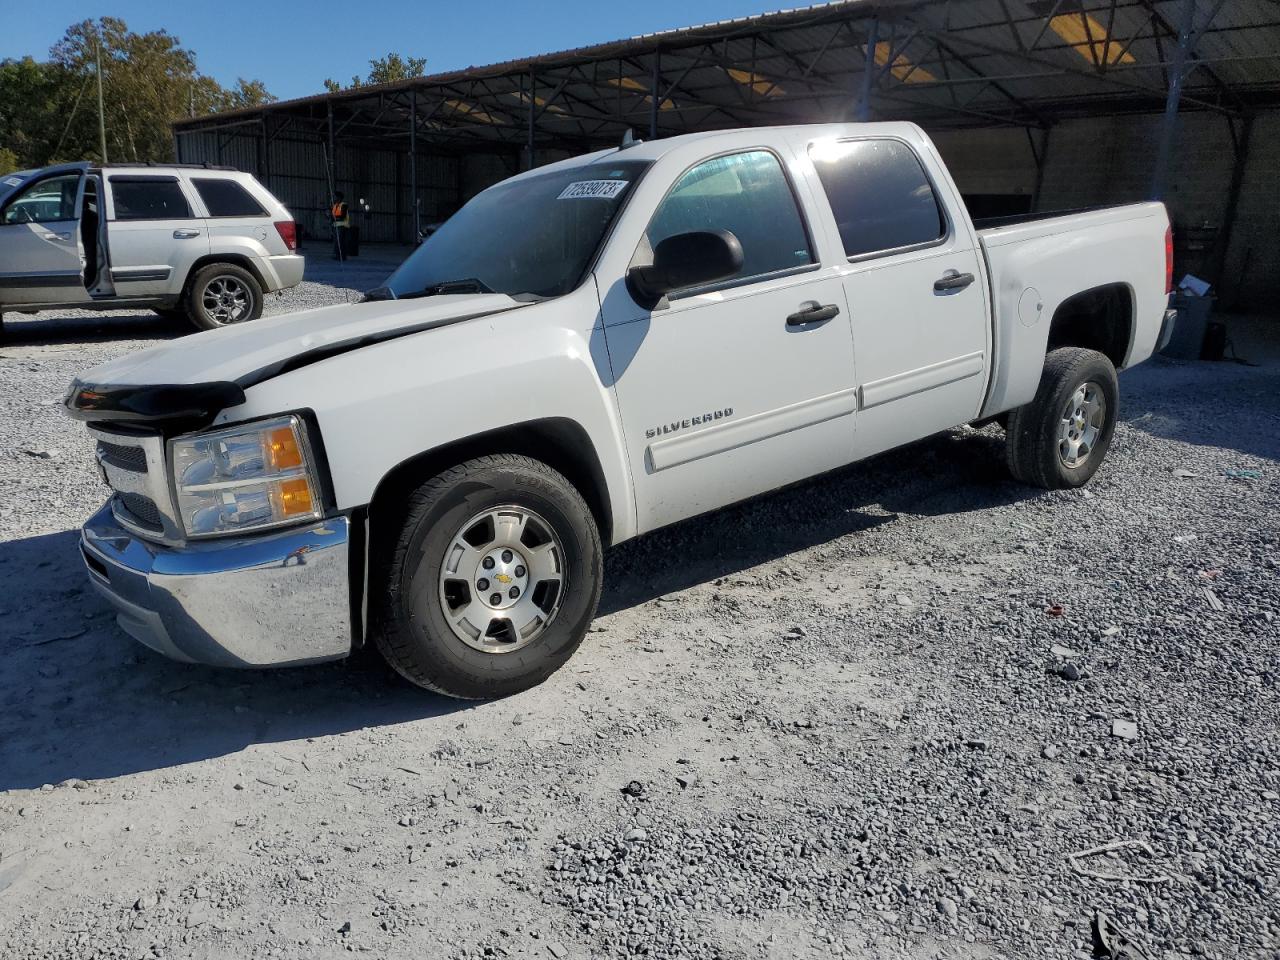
<point>880,195</point>
<point>226,198</point>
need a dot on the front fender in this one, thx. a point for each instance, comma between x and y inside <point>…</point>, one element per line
<point>386,403</point>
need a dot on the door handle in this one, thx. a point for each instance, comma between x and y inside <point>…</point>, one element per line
<point>185,234</point>
<point>64,237</point>
<point>812,312</point>
<point>953,280</point>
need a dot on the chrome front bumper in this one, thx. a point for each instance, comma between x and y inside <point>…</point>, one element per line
<point>274,599</point>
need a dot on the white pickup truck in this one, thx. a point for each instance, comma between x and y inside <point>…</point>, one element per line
<point>584,353</point>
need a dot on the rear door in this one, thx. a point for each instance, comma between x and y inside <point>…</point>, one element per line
<point>41,257</point>
<point>153,234</point>
<point>913,282</point>
<point>742,386</point>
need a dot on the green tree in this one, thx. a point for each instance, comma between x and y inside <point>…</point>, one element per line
<point>8,161</point>
<point>388,69</point>
<point>48,111</point>
<point>38,102</point>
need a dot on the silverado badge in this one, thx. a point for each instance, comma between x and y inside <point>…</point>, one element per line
<point>688,422</point>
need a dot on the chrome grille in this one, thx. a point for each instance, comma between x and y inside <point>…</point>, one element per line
<point>143,510</point>
<point>132,464</point>
<point>126,458</point>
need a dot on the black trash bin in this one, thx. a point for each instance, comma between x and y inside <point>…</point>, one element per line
<point>1193,321</point>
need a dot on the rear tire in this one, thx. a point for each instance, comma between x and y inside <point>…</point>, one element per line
<point>1060,438</point>
<point>440,621</point>
<point>223,294</point>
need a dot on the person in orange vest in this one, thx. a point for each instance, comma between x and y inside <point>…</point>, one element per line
<point>341,226</point>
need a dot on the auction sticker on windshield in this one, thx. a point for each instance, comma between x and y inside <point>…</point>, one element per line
<point>593,188</point>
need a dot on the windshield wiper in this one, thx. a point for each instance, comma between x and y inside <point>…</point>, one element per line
<point>468,285</point>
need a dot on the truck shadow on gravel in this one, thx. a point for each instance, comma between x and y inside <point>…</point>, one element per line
<point>50,329</point>
<point>950,473</point>
<point>81,700</point>
<point>1221,405</point>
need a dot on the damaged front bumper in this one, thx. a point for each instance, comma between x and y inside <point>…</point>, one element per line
<point>275,599</point>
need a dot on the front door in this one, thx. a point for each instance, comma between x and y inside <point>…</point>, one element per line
<point>742,387</point>
<point>41,257</point>
<point>153,234</point>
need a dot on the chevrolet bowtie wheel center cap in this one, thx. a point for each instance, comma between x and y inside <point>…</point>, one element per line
<point>501,578</point>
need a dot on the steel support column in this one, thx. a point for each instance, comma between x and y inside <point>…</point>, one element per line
<point>863,111</point>
<point>261,150</point>
<point>655,94</point>
<point>533,115</point>
<point>1169,126</point>
<point>333,156</point>
<point>413,166</point>
<point>1241,143</point>
<point>1041,157</point>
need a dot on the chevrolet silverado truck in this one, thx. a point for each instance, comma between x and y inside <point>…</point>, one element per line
<point>584,353</point>
<point>201,243</point>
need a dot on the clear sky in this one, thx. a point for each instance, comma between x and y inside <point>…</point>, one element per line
<point>294,46</point>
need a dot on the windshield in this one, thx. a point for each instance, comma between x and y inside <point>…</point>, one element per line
<point>11,181</point>
<point>532,237</point>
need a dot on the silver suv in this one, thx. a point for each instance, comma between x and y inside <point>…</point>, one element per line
<point>202,242</point>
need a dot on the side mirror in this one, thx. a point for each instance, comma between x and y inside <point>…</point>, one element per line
<point>685,260</point>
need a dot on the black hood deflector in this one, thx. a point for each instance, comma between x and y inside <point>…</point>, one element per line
<point>175,405</point>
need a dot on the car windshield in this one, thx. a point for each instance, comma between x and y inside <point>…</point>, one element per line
<point>533,237</point>
<point>10,182</point>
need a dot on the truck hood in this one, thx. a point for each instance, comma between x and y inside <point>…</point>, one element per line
<point>182,379</point>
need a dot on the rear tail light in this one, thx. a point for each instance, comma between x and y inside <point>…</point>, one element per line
<point>1168,260</point>
<point>288,231</point>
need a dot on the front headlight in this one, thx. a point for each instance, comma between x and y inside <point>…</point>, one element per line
<point>245,478</point>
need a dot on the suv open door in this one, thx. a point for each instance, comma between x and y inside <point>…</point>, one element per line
<point>41,250</point>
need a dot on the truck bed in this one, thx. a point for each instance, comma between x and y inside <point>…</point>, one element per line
<point>1013,219</point>
<point>1038,262</point>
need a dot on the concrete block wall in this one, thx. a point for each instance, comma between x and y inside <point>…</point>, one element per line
<point>1104,160</point>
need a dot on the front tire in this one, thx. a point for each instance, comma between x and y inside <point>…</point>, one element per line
<point>1061,437</point>
<point>222,294</point>
<point>492,580</point>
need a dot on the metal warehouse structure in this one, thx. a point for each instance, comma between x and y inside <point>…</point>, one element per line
<point>1117,99</point>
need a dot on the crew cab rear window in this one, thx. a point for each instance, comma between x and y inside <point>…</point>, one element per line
<point>149,198</point>
<point>879,194</point>
<point>226,198</point>
<point>748,194</point>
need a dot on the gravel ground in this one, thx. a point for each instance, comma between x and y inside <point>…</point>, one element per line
<point>870,716</point>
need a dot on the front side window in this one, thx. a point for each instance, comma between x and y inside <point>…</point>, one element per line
<point>879,194</point>
<point>746,194</point>
<point>46,201</point>
<point>531,237</point>
<point>149,198</point>
<point>226,198</point>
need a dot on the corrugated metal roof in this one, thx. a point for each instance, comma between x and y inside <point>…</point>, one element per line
<point>1020,62</point>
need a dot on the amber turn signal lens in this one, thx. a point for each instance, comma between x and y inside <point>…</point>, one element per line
<point>283,450</point>
<point>292,497</point>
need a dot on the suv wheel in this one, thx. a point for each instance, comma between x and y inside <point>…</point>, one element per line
<point>222,294</point>
<point>492,580</point>
<point>1060,438</point>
